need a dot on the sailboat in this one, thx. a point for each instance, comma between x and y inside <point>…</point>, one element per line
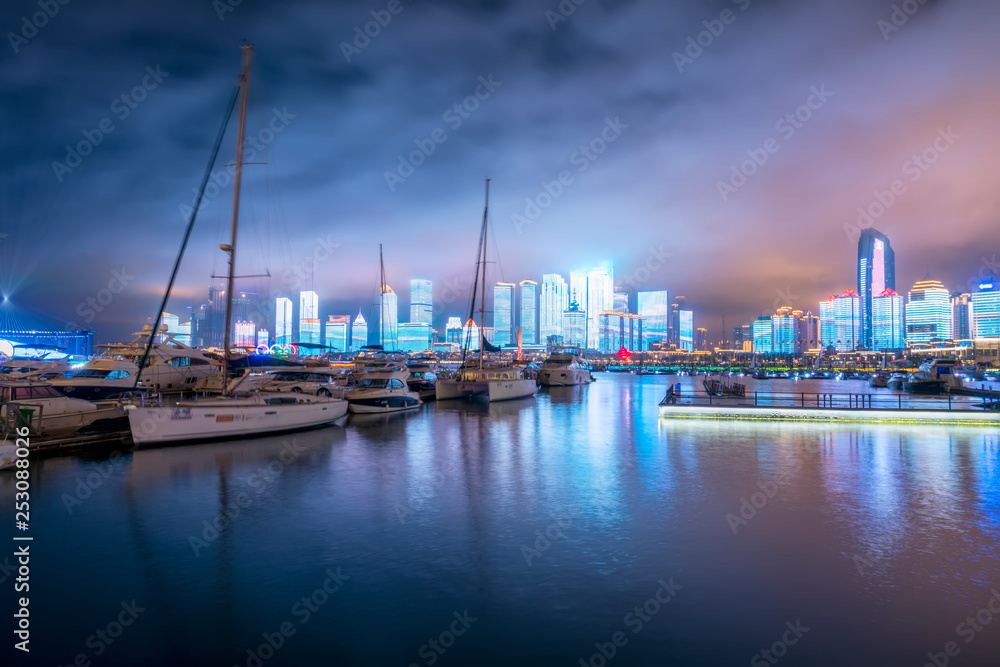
<point>230,415</point>
<point>480,379</point>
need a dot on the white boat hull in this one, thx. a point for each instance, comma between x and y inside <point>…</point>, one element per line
<point>220,419</point>
<point>492,390</point>
<point>564,377</point>
<point>66,423</point>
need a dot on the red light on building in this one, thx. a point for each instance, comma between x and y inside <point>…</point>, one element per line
<point>624,354</point>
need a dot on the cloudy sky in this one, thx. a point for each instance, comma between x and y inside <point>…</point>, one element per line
<point>720,150</point>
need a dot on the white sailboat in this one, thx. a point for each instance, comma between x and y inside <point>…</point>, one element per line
<point>495,381</point>
<point>229,416</point>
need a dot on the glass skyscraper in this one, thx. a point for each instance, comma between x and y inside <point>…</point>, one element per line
<point>421,307</point>
<point>553,302</point>
<point>336,332</point>
<point>763,335</point>
<point>827,323</point>
<point>359,333</point>
<point>961,316</point>
<point>685,319</point>
<point>654,309</point>
<point>529,312</point>
<point>986,310</point>
<point>453,330</point>
<point>503,313</point>
<point>283,321</point>
<point>928,312</point>
<point>574,324</point>
<point>887,321</point>
<point>847,316</point>
<point>388,319</point>
<point>600,298</point>
<point>308,318</point>
<point>876,273</point>
<point>783,331</point>
<point>414,336</point>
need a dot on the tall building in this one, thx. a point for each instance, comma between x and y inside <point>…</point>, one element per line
<point>283,321</point>
<point>685,329</point>
<point>674,322</point>
<point>928,313</point>
<point>828,322</point>
<point>245,334</point>
<point>986,310</point>
<point>262,338</point>
<point>309,318</point>
<point>453,330</point>
<point>783,331</point>
<point>336,332</point>
<point>961,316</point>
<point>876,273</point>
<point>574,324</point>
<point>654,309</point>
<point>421,306</point>
<point>241,308</point>
<point>359,333</point>
<point>554,300</point>
<point>529,312</point>
<point>701,340</point>
<point>806,331</point>
<point>577,287</point>
<point>470,336</point>
<point>600,298</point>
<point>414,337</point>
<point>388,319</point>
<point>621,301</point>
<point>216,320</point>
<point>620,329</point>
<point>762,335</point>
<point>503,313</point>
<point>887,321</point>
<point>847,316</point>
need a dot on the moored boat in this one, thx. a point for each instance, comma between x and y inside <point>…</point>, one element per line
<point>565,367</point>
<point>382,391</point>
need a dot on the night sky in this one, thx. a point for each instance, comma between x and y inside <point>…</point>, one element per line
<point>643,125</point>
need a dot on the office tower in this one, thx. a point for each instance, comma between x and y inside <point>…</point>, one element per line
<point>783,331</point>
<point>263,339</point>
<point>806,331</point>
<point>961,316</point>
<point>359,333</point>
<point>574,324</point>
<point>388,319</point>
<point>621,301</point>
<point>529,312</point>
<point>578,287</point>
<point>453,330</point>
<point>470,336</point>
<point>245,334</point>
<point>414,337</point>
<point>309,318</point>
<point>876,273</point>
<point>685,319</point>
<point>283,321</point>
<point>503,314</point>
<point>928,313</point>
<point>654,309</point>
<point>887,321</point>
<point>600,298</point>
<point>421,307</point>
<point>554,300</point>
<point>216,316</point>
<point>241,308</point>
<point>762,335</point>
<point>335,333</point>
<point>701,340</point>
<point>198,328</point>
<point>986,309</point>
<point>847,317</point>
<point>827,322</point>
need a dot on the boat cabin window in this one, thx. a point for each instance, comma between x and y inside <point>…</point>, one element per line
<point>372,383</point>
<point>395,384</point>
<point>319,377</point>
<point>27,393</point>
<point>289,376</point>
<point>180,361</point>
<point>92,373</point>
<point>118,375</point>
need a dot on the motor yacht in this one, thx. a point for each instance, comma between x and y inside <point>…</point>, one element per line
<point>424,373</point>
<point>172,366</point>
<point>99,379</point>
<point>382,391</point>
<point>565,367</point>
<point>41,407</point>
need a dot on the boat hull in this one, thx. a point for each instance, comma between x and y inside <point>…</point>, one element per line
<point>924,387</point>
<point>384,404</point>
<point>492,390</point>
<point>217,420</point>
<point>564,377</point>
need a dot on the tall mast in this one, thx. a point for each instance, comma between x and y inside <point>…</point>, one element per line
<point>482,297</point>
<point>231,248</point>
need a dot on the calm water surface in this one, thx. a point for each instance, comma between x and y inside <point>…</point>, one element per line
<point>518,533</point>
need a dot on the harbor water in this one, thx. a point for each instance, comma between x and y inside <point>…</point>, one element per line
<point>574,528</point>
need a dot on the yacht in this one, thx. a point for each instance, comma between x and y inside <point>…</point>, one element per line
<point>374,358</point>
<point>36,369</point>
<point>227,416</point>
<point>566,366</point>
<point>99,379</point>
<point>41,407</point>
<point>382,391</point>
<point>924,382</point>
<point>171,367</point>
<point>896,381</point>
<point>424,373</point>
<point>943,370</point>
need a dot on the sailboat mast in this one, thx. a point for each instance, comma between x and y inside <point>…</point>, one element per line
<point>482,297</point>
<point>231,249</point>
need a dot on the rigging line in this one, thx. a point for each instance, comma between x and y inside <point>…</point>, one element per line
<point>190,227</point>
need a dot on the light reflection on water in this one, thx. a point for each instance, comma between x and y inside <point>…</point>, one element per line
<point>548,519</point>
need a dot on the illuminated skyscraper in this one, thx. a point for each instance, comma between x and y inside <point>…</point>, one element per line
<point>336,332</point>
<point>600,298</point>
<point>421,308</point>
<point>283,321</point>
<point>654,309</point>
<point>847,316</point>
<point>503,313</point>
<point>574,324</point>
<point>961,316</point>
<point>388,319</point>
<point>554,300</point>
<point>806,331</point>
<point>685,320</point>
<point>245,334</point>
<point>827,322</point>
<point>621,301</point>
<point>763,335</point>
<point>414,337</point>
<point>876,273</point>
<point>928,313</point>
<point>529,312</point>
<point>453,330</point>
<point>620,329</point>
<point>359,333</point>
<point>262,338</point>
<point>887,321</point>
<point>470,336</point>
<point>986,310</point>
<point>783,331</point>
<point>577,286</point>
<point>309,318</point>
<point>216,320</point>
